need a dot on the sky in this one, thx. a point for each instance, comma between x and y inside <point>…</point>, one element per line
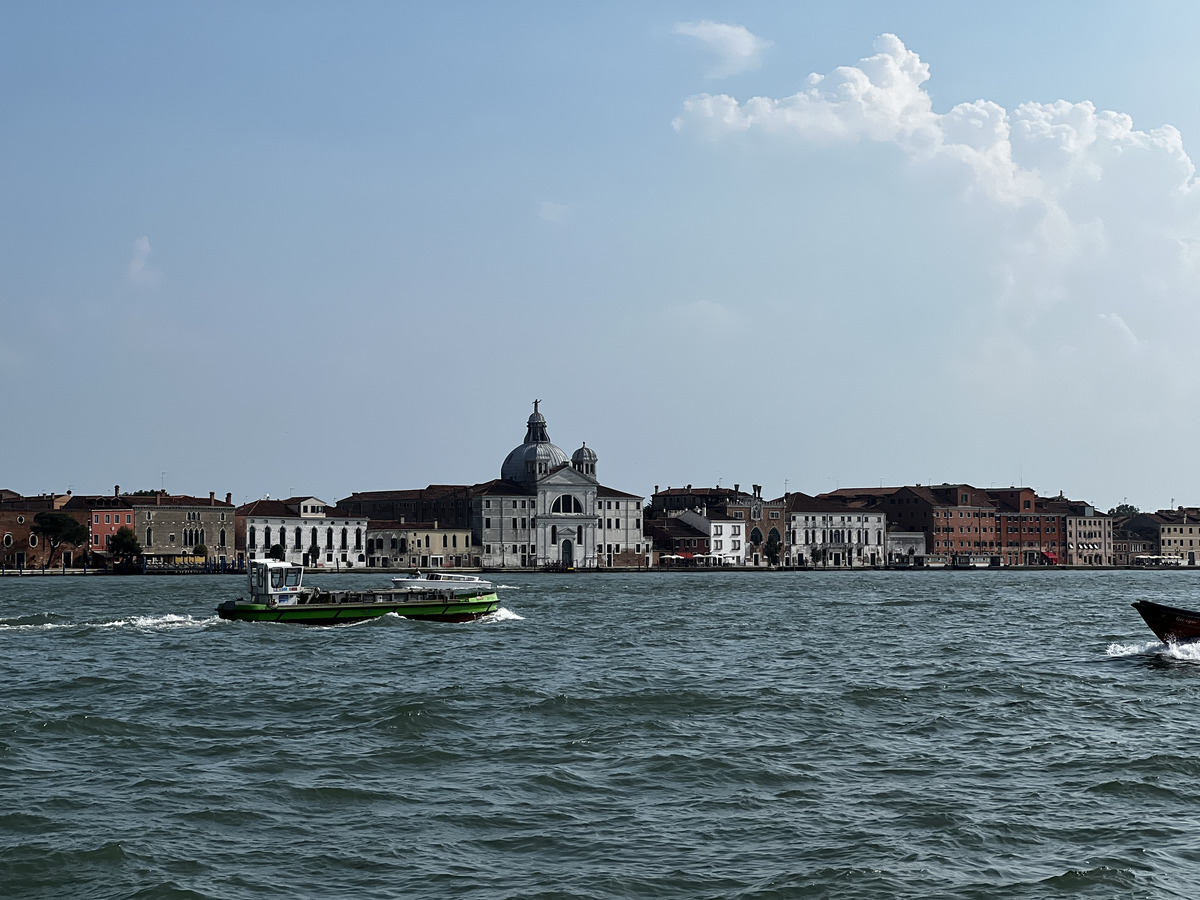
<point>314,248</point>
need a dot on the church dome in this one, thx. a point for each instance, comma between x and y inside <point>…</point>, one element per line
<point>584,460</point>
<point>536,456</point>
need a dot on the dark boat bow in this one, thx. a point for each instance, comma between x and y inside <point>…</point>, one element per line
<point>1171,624</point>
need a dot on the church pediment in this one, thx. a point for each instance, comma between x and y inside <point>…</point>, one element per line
<point>566,477</point>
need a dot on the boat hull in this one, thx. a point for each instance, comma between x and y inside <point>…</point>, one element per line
<point>1171,624</point>
<point>455,609</point>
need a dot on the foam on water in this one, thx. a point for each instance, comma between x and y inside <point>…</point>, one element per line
<point>1189,652</point>
<point>502,615</point>
<point>169,622</point>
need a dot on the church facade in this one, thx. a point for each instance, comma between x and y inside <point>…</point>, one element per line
<point>548,510</point>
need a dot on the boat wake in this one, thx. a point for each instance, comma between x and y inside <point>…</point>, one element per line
<point>1189,652</point>
<point>502,615</point>
<point>51,622</point>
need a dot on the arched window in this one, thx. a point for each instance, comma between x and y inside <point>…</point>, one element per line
<point>32,540</point>
<point>283,538</point>
<point>8,540</point>
<point>221,538</point>
<point>299,538</point>
<point>566,504</point>
<point>267,538</point>
<point>315,542</point>
<point>756,536</point>
<point>149,535</point>
<point>328,538</point>
<point>202,536</point>
<point>775,536</point>
<point>345,535</point>
<point>357,538</point>
<point>251,542</point>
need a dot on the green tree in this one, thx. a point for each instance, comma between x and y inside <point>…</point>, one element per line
<point>1124,511</point>
<point>200,550</point>
<point>56,528</point>
<point>125,545</point>
<point>771,550</point>
<point>277,552</point>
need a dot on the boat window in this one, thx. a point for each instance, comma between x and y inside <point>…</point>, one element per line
<point>293,577</point>
<point>277,578</point>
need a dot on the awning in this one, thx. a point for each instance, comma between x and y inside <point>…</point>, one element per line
<point>1050,555</point>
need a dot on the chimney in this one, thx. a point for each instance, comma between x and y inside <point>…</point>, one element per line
<point>229,498</point>
<point>158,498</point>
<point>737,488</point>
<point>212,498</point>
<point>116,490</point>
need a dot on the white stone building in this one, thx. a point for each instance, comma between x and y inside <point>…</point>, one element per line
<point>310,532</point>
<point>726,541</point>
<point>827,534</point>
<point>548,510</point>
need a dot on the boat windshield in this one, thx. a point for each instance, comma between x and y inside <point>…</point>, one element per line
<point>276,578</point>
<point>293,577</point>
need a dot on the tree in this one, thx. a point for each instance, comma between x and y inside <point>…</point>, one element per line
<point>57,528</point>
<point>125,545</point>
<point>1124,511</point>
<point>277,552</point>
<point>200,550</point>
<point>771,549</point>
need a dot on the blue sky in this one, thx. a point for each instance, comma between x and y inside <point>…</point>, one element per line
<point>315,248</point>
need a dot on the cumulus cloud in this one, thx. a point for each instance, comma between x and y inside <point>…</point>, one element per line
<point>736,48</point>
<point>139,270</point>
<point>1088,227</point>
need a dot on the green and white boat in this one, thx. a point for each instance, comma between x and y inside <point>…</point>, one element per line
<point>277,594</point>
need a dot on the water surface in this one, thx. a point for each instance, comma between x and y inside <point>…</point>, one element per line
<point>875,735</point>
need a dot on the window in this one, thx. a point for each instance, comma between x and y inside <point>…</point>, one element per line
<point>487,523</point>
<point>107,519</point>
<point>566,504</point>
<point>149,537</point>
<point>96,519</point>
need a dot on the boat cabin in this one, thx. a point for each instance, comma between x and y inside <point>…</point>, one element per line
<point>272,581</point>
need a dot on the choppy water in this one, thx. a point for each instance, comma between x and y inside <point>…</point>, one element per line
<point>872,735</point>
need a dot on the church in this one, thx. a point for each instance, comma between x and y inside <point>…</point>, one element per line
<point>548,510</point>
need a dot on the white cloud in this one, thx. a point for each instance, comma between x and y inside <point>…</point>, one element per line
<point>1023,256</point>
<point>549,211</point>
<point>1082,215</point>
<point>737,49</point>
<point>139,271</point>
